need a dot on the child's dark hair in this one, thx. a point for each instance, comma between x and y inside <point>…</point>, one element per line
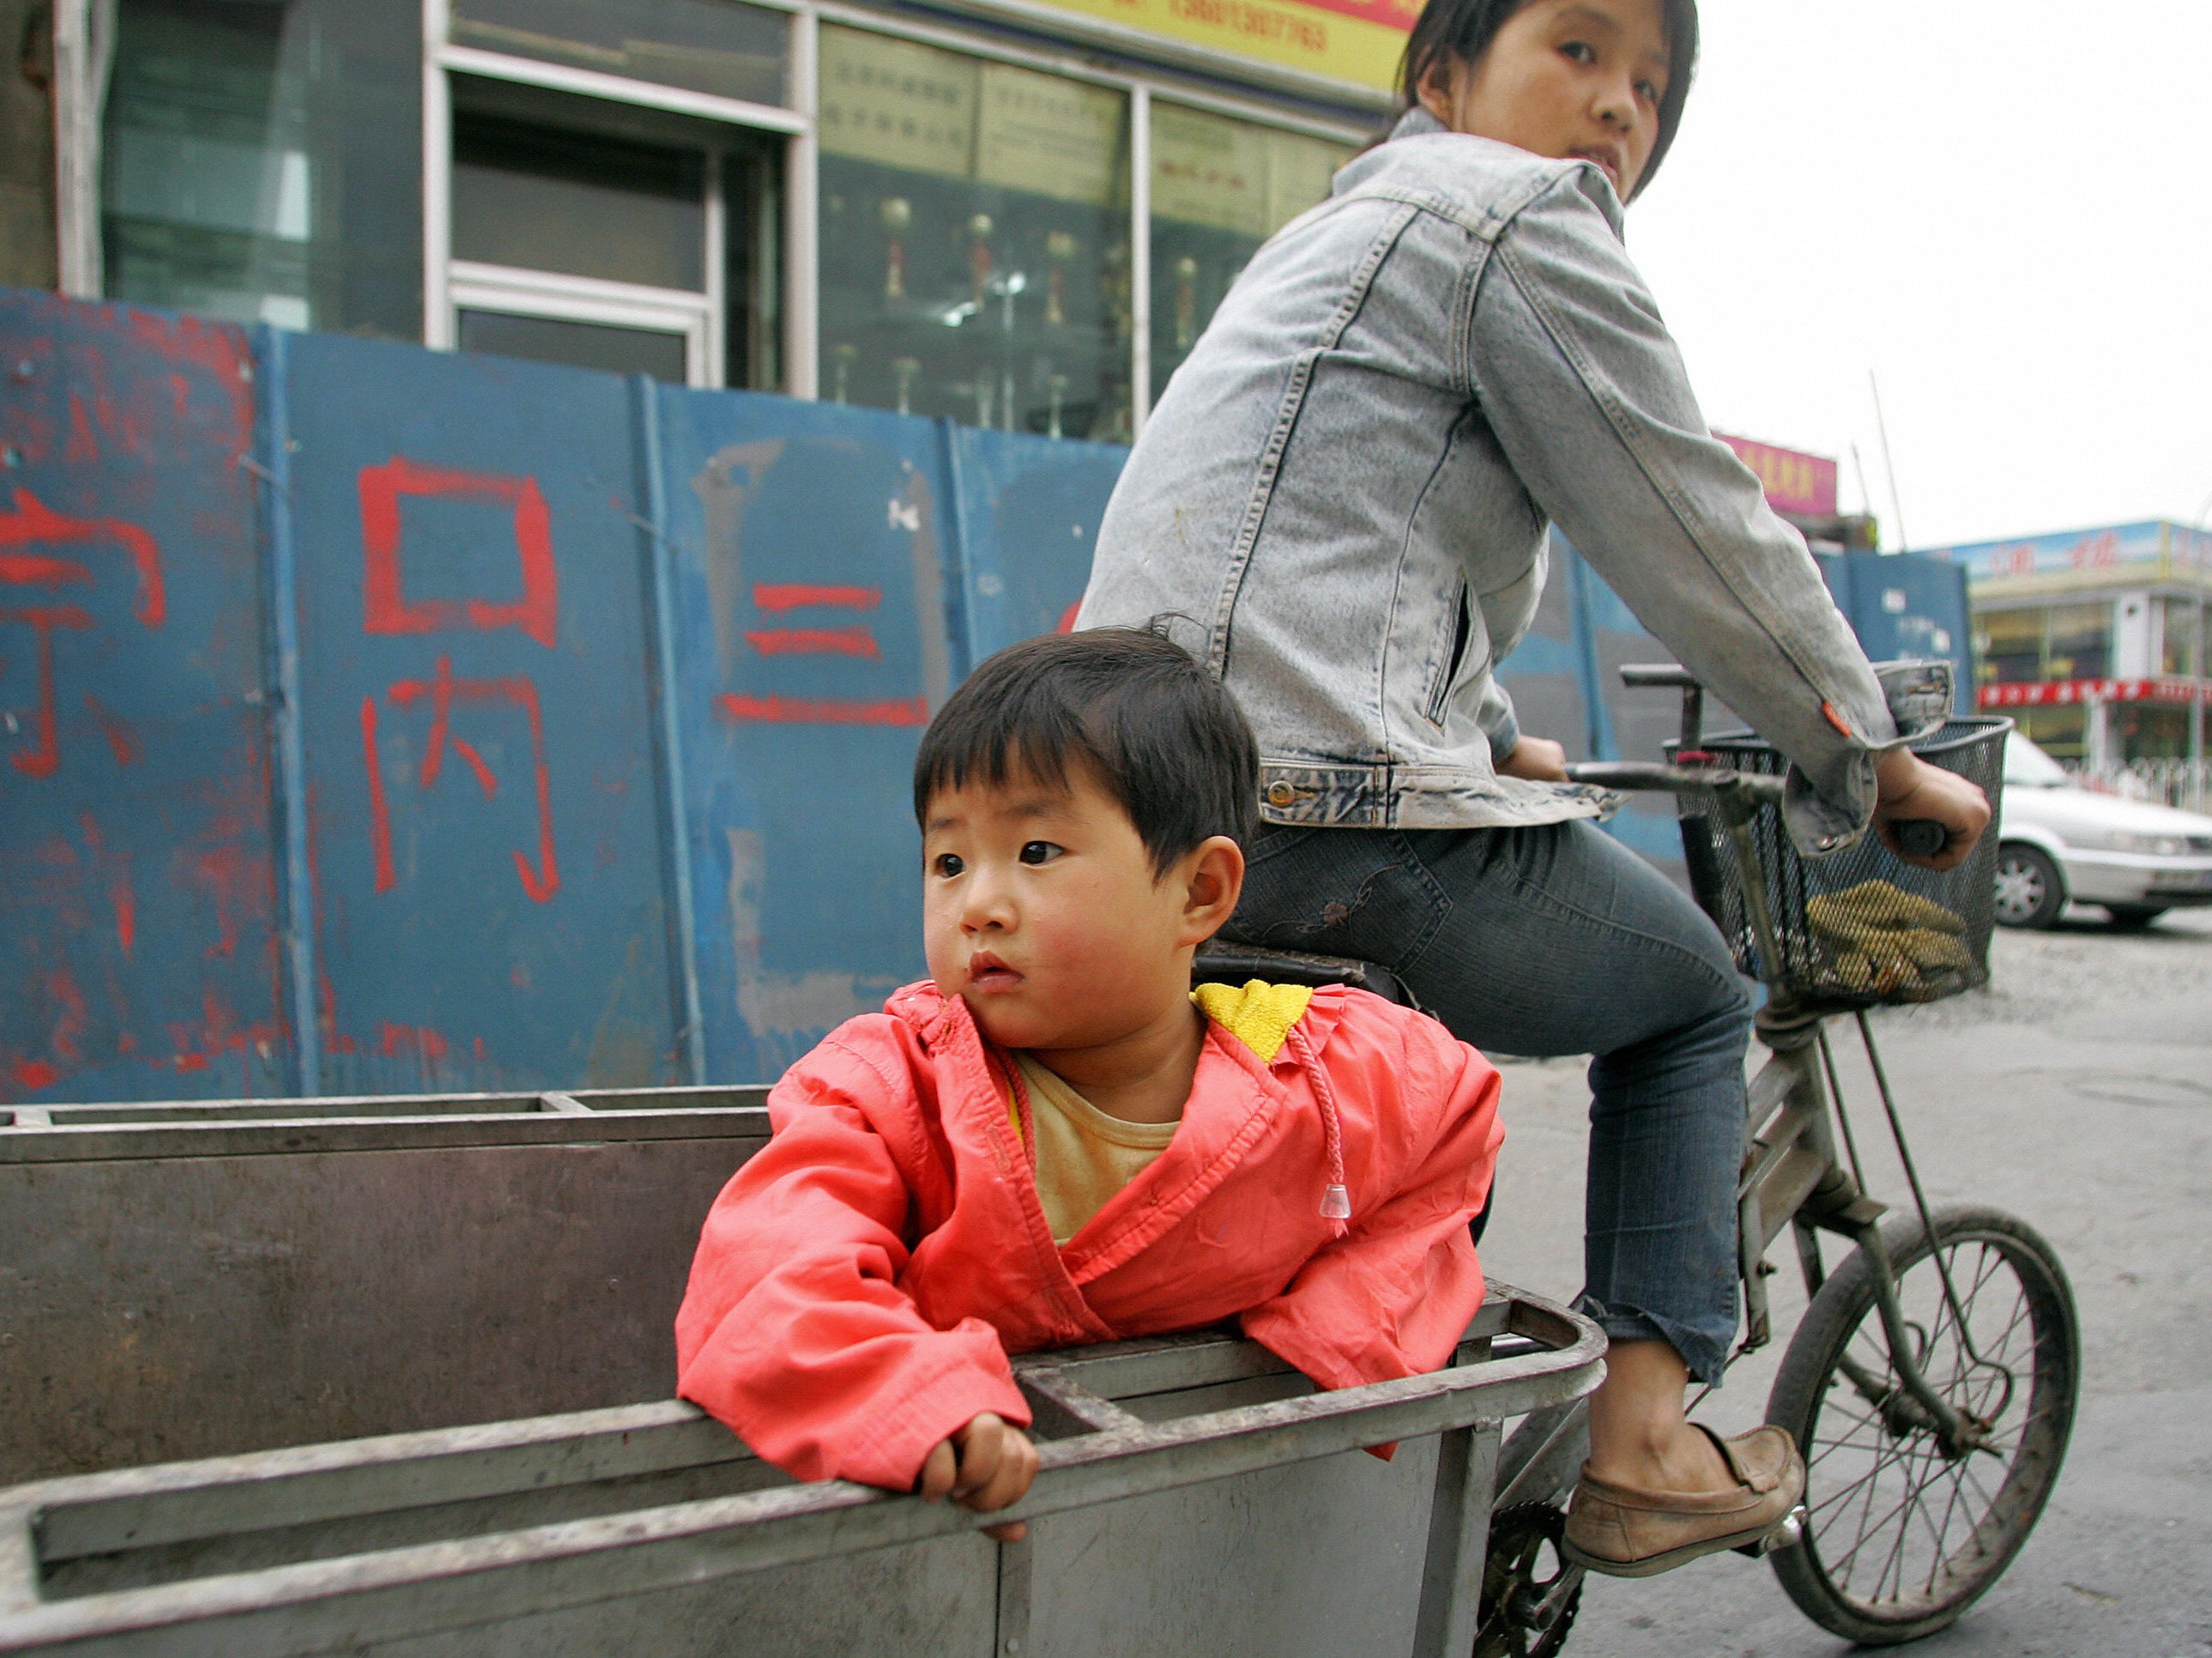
<point>1162,735</point>
<point>1463,29</point>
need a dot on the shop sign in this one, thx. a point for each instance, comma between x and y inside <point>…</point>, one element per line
<point>1234,175</point>
<point>898,103</point>
<point>1796,483</point>
<point>2058,693</point>
<point>904,105</point>
<point>1356,40</point>
<point>2165,547</point>
<point>1050,135</point>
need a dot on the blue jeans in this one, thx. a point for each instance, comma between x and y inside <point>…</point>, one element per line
<point>1557,939</point>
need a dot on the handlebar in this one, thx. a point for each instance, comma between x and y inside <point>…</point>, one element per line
<point>1917,838</point>
<point>1645,775</point>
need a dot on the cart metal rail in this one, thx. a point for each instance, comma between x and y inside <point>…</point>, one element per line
<point>1196,1497</point>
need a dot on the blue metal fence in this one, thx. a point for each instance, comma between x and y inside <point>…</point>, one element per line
<point>381,719</point>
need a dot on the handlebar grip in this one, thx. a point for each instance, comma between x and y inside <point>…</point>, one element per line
<point>1921,837</point>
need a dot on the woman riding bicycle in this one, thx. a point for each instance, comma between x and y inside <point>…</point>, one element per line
<point>1341,504</point>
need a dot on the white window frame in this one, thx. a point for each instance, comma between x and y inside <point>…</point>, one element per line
<point>449,285</point>
<point>521,292</point>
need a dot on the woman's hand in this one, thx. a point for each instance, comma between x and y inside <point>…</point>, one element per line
<point>1909,787</point>
<point>1536,759</point>
<point>985,1465</point>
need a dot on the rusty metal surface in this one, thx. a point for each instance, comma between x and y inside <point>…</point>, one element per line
<point>139,947</point>
<point>486,825</point>
<point>187,1280</point>
<point>1177,1527</point>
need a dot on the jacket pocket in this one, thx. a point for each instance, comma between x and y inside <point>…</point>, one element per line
<point>1462,617</point>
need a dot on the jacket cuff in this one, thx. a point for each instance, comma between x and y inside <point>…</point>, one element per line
<point>1825,820</point>
<point>891,1454</point>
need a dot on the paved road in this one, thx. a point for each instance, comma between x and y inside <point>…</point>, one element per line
<point>2076,1093</point>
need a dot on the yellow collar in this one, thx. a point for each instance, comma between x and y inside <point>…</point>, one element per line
<point>1260,1014</point>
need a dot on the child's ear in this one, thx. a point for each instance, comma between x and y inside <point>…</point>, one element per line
<point>1214,880</point>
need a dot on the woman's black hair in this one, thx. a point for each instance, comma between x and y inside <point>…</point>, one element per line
<point>1162,735</point>
<point>1463,29</point>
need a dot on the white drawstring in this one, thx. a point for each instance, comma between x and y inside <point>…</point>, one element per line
<point>1335,1197</point>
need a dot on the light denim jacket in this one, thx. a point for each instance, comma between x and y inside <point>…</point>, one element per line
<point>1340,500</point>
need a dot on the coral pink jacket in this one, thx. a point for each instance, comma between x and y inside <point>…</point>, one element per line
<point>861,1280</point>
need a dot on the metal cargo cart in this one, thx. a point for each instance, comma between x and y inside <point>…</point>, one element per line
<point>276,1273</point>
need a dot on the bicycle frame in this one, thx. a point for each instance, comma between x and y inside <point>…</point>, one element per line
<point>1791,1178</point>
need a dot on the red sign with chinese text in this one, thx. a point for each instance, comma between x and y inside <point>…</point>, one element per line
<point>1796,483</point>
<point>2038,694</point>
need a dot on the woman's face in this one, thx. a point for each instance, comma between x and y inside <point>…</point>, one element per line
<point>1566,78</point>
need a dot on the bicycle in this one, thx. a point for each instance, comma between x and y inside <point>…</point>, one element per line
<point>1945,1337</point>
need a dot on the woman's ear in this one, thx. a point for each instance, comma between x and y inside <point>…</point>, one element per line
<point>1214,880</point>
<point>1437,86</point>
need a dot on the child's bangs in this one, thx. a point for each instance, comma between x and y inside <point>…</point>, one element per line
<point>1032,742</point>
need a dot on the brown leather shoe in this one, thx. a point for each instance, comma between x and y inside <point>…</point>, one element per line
<point>1625,1532</point>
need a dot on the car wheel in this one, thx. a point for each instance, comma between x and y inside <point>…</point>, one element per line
<point>2133,918</point>
<point>2031,892</point>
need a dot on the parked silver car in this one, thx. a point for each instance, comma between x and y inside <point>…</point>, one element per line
<point>2060,841</point>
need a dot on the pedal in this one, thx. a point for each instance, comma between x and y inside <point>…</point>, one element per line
<point>1788,1533</point>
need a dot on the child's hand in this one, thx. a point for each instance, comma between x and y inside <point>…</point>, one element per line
<point>984,1465</point>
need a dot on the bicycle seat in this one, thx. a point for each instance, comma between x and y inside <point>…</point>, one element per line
<point>1220,964</point>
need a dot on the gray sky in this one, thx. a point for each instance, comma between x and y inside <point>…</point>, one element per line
<point>1998,206</point>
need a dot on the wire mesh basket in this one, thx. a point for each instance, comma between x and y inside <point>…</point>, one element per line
<point>1861,928</point>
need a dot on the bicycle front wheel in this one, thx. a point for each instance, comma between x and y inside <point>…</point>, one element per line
<point>1903,1537</point>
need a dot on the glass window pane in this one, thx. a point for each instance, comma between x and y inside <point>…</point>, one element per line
<point>262,161</point>
<point>2061,732</point>
<point>577,202</point>
<point>702,46</point>
<point>1220,187</point>
<point>579,344</point>
<point>2080,641</point>
<point>2009,646</point>
<point>752,196</point>
<point>975,240</point>
<point>2178,654</point>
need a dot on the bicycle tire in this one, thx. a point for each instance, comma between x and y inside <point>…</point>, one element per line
<point>1868,1467</point>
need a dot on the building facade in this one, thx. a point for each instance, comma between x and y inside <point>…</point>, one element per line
<point>2095,641</point>
<point>1016,214</point>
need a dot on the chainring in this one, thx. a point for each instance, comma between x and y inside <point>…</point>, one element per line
<point>1522,1567</point>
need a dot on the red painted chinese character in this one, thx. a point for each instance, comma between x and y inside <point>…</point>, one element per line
<point>33,524</point>
<point>384,607</point>
<point>540,880</point>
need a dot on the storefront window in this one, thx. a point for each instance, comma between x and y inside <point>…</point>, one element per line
<point>2009,646</point>
<point>1220,187</point>
<point>2178,654</point>
<point>2061,732</point>
<point>2081,645</point>
<point>522,193</point>
<point>2150,731</point>
<point>262,161</point>
<point>586,234</point>
<point>717,46</point>
<point>975,245</point>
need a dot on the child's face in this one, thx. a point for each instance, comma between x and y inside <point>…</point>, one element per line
<point>1567,78</point>
<point>1040,907</point>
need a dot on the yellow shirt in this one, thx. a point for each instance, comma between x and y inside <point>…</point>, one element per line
<point>1084,1157</point>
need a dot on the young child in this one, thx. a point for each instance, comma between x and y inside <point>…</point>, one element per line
<point>1052,1141</point>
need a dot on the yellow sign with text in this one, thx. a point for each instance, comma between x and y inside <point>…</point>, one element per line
<point>1356,40</point>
